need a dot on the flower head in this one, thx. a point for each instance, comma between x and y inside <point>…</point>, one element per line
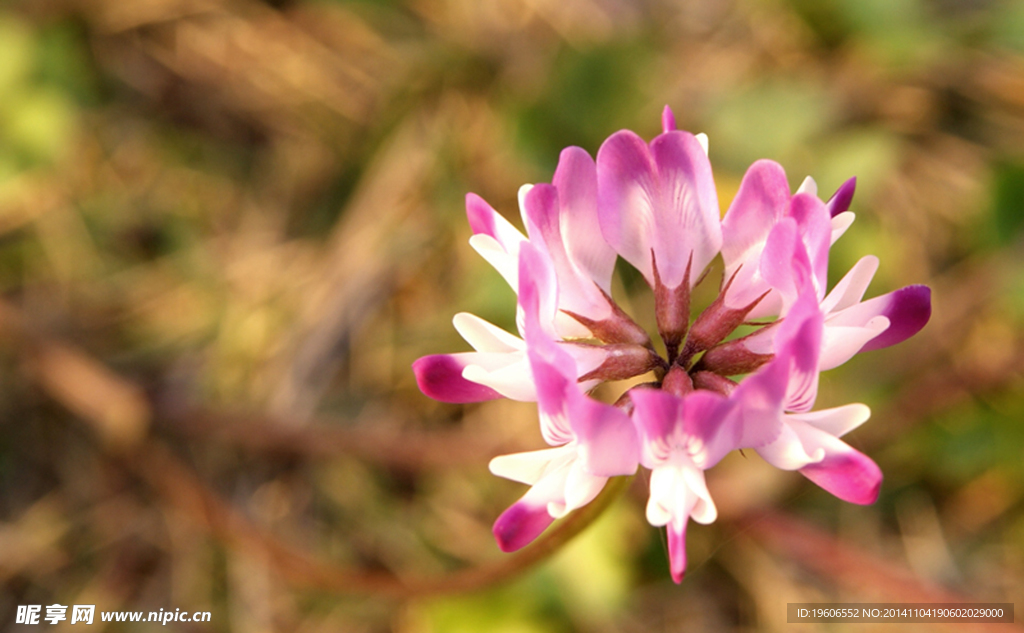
<point>655,205</point>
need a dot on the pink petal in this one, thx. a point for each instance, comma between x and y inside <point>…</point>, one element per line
<point>759,400</point>
<point>577,292</point>
<point>520,524</point>
<point>608,443</point>
<point>440,377</point>
<point>660,198</point>
<point>841,199</point>
<point>702,425</point>
<point>656,415</point>
<point>538,294</point>
<point>799,341</point>
<point>668,120</point>
<point>848,474</point>
<point>576,181</point>
<point>785,264</point>
<point>816,235</point>
<point>908,310</point>
<point>760,203</point>
<point>483,219</point>
<point>677,550</point>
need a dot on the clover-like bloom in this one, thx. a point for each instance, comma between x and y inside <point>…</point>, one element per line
<point>655,205</point>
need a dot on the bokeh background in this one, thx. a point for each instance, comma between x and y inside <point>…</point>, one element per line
<point>228,227</point>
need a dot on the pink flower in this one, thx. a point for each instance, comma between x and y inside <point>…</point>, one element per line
<point>655,205</point>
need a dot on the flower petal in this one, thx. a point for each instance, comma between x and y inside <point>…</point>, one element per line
<point>577,291</point>
<point>785,264</point>
<point>759,401</point>
<point>840,223</point>
<point>668,120</point>
<point>607,438</point>
<point>808,186</point>
<point>852,286</point>
<point>484,220</point>
<point>677,551</point>
<point>908,310</point>
<point>848,474</point>
<point>841,342</point>
<point>836,422</point>
<point>581,487</point>
<point>700,425</point>
<point>508,373</point>
<point>678,491</point>
<point>485,336</point>
<point>576,181</point>
<point>660,198</point>
<point>520,524</point>
<point>531,466</point>
<point>440,377</point>
<point>799,340</point>
<point>816,235</point>
<point>787,452</point>
<point>840,201</point>
<point>759,204</point>
<point>498,257</point>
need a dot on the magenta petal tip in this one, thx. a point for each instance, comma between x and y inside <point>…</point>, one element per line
<point>841,199</point>
<point>518,526</point>
<point>908,311</point>
<point>677,552</point>
<point>439,376</point>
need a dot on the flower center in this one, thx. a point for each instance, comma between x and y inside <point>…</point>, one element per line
<point>698,356</point>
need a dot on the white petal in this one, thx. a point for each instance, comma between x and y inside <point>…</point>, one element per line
<point>664,481</point>
<point>702,138</point>
<point>507,373</point>
<point>703,510</point>
<point>507,264</point>
<point>485,336</point>
<point>852,286</point>
<point>836,422</point>
<point>840,223</point>
<point>808,186</point>
<point>531,466</point>
<point>581,487</point>
<point>840,343</point>
<point>787,451</point>
<point>525,189</point>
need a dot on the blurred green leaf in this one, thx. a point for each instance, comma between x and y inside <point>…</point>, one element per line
<point>1007,218</point>
<point>591,93</point>
<point>770,119</point>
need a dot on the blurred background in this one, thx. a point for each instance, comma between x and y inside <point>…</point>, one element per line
<point>228,227</point>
